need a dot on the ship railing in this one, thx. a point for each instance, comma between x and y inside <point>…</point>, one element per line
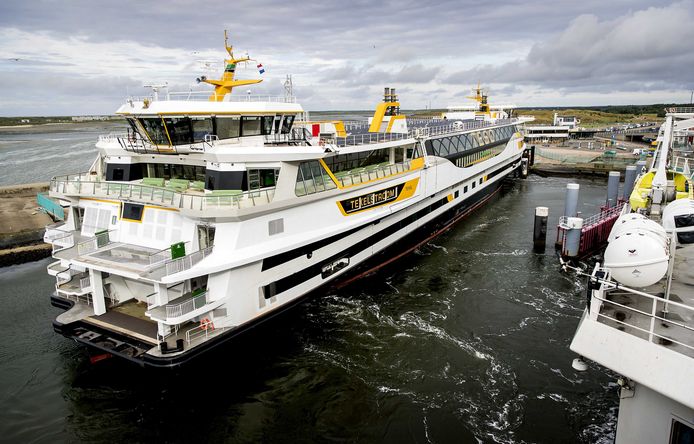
<point>164,254</point>
<point>295,136</point>
<point>204,330</point>
<point>656,316</point>
<point>99,240</point>
<point>225,201</point>
<point>368,138</point>
<point>185,307</point>
<point>360,175</point>
<point>90,186</point>
<point>419,132</point>
<point>684,165</point>
<point>680,110</point>
<point>177,265</point>
<point>205,95</point>
<point>595,218</point>
<point>59,238</point>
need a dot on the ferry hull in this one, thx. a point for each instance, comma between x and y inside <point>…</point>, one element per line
<point>103,340</point>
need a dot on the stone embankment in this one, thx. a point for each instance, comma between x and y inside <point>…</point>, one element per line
<point>22,224</point>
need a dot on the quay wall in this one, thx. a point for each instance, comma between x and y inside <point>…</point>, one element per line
<point>22,224</point>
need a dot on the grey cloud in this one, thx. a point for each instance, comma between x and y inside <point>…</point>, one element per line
<point>614,55</point>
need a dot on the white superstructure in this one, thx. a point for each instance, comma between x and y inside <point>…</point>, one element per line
<point>646,335</point>
<point>209,216</point>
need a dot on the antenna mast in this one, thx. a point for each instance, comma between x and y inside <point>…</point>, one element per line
<point>288,88</point>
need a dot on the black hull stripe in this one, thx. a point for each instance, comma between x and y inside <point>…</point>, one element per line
<point>279,259</point>
<point>445,218</point>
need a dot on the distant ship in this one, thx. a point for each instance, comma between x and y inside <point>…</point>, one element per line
<point>214,212</point>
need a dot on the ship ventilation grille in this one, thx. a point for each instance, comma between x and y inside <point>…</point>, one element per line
<point>275,226</point>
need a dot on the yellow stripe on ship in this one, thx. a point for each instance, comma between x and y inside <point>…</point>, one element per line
<point>378,198</point>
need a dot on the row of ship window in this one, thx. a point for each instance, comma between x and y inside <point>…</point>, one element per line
<point>187,130</point>
<point>446,146</point>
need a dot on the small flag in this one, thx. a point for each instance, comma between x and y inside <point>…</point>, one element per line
<point>260,68</point>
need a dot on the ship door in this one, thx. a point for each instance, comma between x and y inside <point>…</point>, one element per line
<point>205,236</point>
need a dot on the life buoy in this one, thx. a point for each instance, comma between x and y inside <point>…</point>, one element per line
<point>206,324</point>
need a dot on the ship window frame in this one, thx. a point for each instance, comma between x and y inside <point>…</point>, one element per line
<point>266,123</point>
<point>194,133</point>
<point>155,129</point>
<point>132,212</point>
<point>232,131</point>
<point>675,436</point>
<point>251,126</point>
<point>287,123</point>
<point>179,129</point>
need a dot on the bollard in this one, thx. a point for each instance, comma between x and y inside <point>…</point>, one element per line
<point>572,239</point>
<point>629,179</point>
<point>612,188</point>
<point>639,166</point>
<point>570,207</point>
<point>540,230</point>
<point>524,167</point>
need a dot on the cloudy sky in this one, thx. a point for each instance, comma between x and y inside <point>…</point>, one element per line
<point>63,57</point>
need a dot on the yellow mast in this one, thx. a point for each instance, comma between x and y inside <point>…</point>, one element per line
<point>480,98</point>
<point>223,86</point>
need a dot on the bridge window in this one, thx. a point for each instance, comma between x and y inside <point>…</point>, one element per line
<point>267,124</point>
<point>155,129</point>
<point>250,126</point>
<point>228,127</point>
<point>179,129</point>
<point>202,126</point>
<point>287,124</point>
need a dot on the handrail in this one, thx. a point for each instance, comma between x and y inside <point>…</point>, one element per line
<point>164,254</point>
<point>178,310</point>
<point>91,245</point>
<point>204,329</point>
<point>419,132</point>
<point>186,262</point>
<point>168,197</point>
<point>204,96</point>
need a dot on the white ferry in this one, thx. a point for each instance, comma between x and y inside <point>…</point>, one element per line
<point>639,320</point>
<point>209,216</point>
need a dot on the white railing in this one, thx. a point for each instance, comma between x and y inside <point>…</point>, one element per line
<point>360,175</point>
<point>595,218</point>
<point>657,306</point>
<point>85,282</point>
<point>85,185</point>
<point>178,310</point>
<point>91,245</point>
<point>186,262</point>
<point>204,330</point>
<point>684,165</point>
<point>205,95</point>
<point>164,254</point>
<point>680,110</point>
<point>60,240</point>
<point>419,132</point>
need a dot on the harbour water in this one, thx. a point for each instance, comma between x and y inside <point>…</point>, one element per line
<point>466,340</point>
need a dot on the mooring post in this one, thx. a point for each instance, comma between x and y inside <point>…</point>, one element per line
<point>612,188</point>
<point>540,230</point>
<point>572,243</point>
<point>571,202</point>
<point>629,179</point>
<point>639,166</point>
<point>570,207</point>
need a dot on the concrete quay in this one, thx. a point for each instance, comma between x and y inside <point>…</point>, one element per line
<point>22,224</point>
